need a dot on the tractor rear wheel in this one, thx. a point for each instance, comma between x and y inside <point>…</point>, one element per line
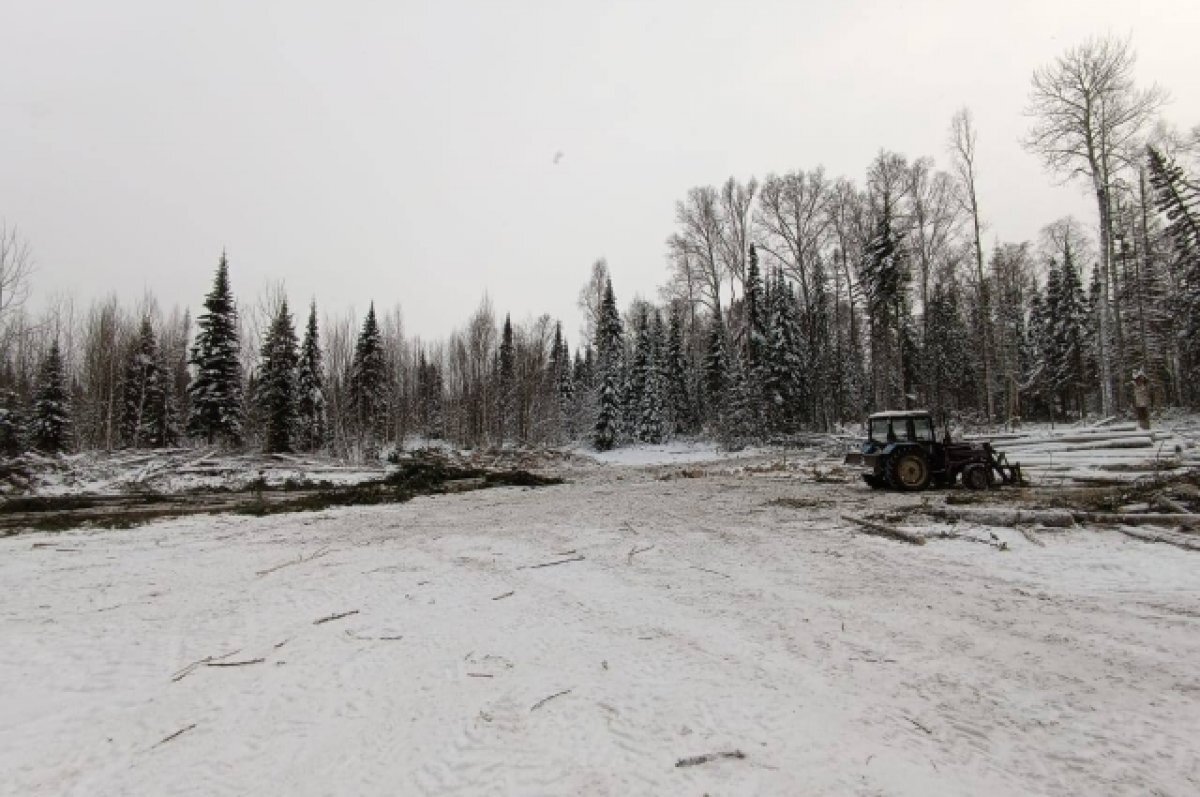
<point>908,471</point>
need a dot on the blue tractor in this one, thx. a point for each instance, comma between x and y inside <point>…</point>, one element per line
<point>902,452</point>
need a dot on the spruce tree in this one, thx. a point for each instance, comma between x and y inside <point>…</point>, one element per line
<point>311,411</point>
<point>608,373</point>
<point>144,391</point>
<point>651,421</point>
<point>506,383</point>
<point>885,276</point>
<point>165,426</point>
<point>50,424</point>
<point>215,393</point>
<point>1178,198</point>
<point>755,341</point>
<point>783,369</point>
<point>679,406</point>
<point>368,380</point>
<point>12,424</point>
<point>715,365</point>
<point>277,389</point>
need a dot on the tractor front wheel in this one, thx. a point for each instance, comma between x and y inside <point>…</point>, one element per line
<point>908,471</point>
<point>977,477</point>
<point>874,482</point>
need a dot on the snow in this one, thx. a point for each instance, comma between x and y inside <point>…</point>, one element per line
<point>703,617</point>
<point>673,453</point>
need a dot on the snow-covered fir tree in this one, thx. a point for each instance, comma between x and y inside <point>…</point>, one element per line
<point>652,425</point>
<point>12,423</point>
<point>142,388</point>
<point>715,366</point>
<point>609,368</point>
<point>311,406</point>
<point>430,416</point>
<point>885,277</point>
<point>146,417</point>
<point>783,366</point>
<point>506,383</point>
<point>755,332</point>
<point>215,392</point>
<point>737,423</point>
<point>277,388</point>
<point>50,420</point>
<point>680,409</point>
<point>560,384</point>
<point>368,381</point>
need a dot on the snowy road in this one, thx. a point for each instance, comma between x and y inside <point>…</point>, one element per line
<point>702,618</point>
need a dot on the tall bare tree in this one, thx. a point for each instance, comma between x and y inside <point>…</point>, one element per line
<point>1088,117</point>
<point>962,155</point>
<point>16,266</point>
<point>697,244</point>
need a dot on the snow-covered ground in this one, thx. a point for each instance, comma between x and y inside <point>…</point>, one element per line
<point>676,616</point>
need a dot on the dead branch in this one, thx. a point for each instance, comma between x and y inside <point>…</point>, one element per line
<point>706,570</point>
<point>362,638</point>
<point>552,564</point>
<point>481,675</point>
<point>635,551</point>
<point>883,530</point>
<point>297,561</point>
<point>1029,535</point>
<point>186,671</point>
<point>508,594</point>
<point>233,663</point>
<point>704,759</point>
<point>175,735</point>
<point>546,700</point>
<point>333,617</point>
<point>917,724</point>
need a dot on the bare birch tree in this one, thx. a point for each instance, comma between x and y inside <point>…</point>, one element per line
<point>1087,119</point>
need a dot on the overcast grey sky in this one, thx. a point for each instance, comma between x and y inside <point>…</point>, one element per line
<point>404,151</point>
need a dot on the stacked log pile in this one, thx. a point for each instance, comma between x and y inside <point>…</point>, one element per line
<point>1098,454</point>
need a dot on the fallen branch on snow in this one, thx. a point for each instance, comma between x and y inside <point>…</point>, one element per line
<point>714,572</point>
<point>175,735</point>
<point>552,564</point>
<point>186,671</point>
<point>883,530</point>
<point>917,724</point>
<point>546,700</point>
<point>508,594</point>
<point>333,617</point>
<point>297,561</point>
<point>704,759</point>
<point>233,663</point>
<point>635,551</point>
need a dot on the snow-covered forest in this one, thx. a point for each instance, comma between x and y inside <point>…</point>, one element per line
<point>791,301</point>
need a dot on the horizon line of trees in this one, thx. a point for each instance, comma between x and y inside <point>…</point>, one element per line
<point>794,303</point>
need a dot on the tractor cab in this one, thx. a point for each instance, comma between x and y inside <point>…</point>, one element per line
<point>895,427</point>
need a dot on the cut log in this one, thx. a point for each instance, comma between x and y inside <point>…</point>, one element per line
<point>1003,516</point>
<point>1171,505</point>
<point>883,530</point>
<point>1148,519</point>
<point>1153,534</point>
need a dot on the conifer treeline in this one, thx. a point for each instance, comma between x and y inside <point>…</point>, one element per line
<point>797,303</point>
